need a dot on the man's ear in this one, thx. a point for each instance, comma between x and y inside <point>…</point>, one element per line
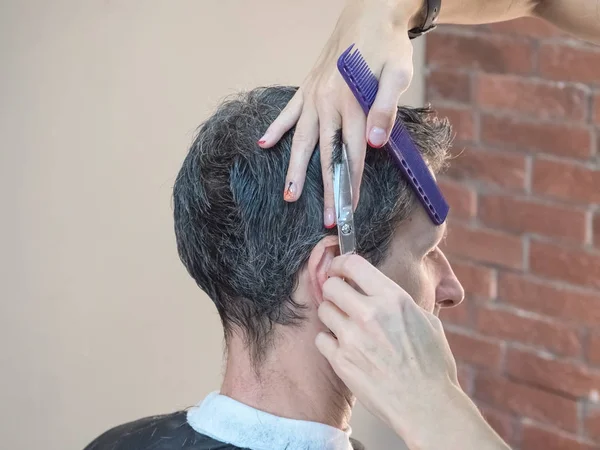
<point>318,265</point>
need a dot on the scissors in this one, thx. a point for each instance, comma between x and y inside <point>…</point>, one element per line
<point>342,192</point>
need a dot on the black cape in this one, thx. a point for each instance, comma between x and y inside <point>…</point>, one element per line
<point>166,432</point>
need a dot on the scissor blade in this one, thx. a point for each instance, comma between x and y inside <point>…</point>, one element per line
<point>343,205</point>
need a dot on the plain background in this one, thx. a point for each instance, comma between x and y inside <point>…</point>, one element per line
<point>99,321</point>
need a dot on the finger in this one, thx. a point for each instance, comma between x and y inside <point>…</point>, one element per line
<point>330,121</point>
<point>356,269</point>
<point>303,145</point>
<point>333,318</point>
<point>286,119</point>
<point>327,345</point>
<point>353,124</point>
<point>345,297</point>
<point>393,82</point>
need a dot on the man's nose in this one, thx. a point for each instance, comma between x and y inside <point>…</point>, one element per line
<point>449,292</point>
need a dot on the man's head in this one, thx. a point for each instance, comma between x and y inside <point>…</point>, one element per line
<point>259,257</point>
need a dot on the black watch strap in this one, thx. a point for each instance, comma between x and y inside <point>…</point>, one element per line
<point>432,10</point>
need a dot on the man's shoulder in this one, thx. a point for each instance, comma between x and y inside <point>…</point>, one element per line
<point>163,432</point>
<point>356,445</point>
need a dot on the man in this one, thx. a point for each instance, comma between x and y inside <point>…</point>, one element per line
<point>264,262</point>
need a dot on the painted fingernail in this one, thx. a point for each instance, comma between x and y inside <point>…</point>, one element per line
<point>377,137</point>
<point>328,218</point>
<point>263,139</point>
<point>290,192</point>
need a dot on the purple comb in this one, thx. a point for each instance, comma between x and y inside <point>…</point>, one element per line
<point>364,85</point>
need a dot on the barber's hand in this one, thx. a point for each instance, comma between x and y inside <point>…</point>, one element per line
<point>324,103</point>
<point>390,353</point>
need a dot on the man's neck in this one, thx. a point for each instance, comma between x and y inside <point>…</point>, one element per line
<point>294,382</point>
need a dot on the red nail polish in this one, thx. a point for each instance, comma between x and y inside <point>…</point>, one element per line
<point>375,146</point>
<point>261,142</point>
<point>329,227</point>
<point>288,195</point>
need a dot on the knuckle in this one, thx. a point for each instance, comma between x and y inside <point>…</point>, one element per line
<point>402,75</point>
<point>324,95</point>
<point>402,69</point>
<point>353,261</point>
<point>339,361</point>
<point>301,138</point>
<point>344,336</point>
<point>368,315</point>
<point>383,116</point>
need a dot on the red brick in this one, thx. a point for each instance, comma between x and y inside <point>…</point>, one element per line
<point>536,438</point>
<point>570,265</point>
<point>444,85</point>
<point>474,350</point>
<point>525,216</point>
<point>547,100</point>
<point>526,401</point>
<point>487,52</point>
<point>476,280</point>
<point>565,304</point>
<point>459,315</point>
<point>462,121</point>
<point>503,423</point>
<point>528,26</point>
<point>484,246</point>
<point>555,139</point>
<point>551,336</point>
<point>462,199</point>
<point>566,181</point>
<point>564,377</point>
<point>596,230</point>
<point>493,168</point>
<point>563,62</point>
<point>593,351</point>
<point>597,108</point>
<point>592,424</point>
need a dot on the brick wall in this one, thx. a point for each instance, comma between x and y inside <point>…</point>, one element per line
<point>525,226</point>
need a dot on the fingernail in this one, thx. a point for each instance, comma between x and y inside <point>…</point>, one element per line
<point>328,217</point>
<point>290,192</point>
<point>263,139</point>
<point>377,137</point>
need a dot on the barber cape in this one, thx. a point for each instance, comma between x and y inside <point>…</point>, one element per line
<point>221,423</point>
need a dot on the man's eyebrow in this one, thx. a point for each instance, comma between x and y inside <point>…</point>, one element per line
<point>443,237</point>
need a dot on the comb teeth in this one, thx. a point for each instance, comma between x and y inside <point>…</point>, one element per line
<point>364,86</point>
<point>363,76</point>
<point>397,131</point>
<point>358,76</point>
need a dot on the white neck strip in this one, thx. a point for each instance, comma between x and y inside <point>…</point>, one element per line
<point>229,421</point>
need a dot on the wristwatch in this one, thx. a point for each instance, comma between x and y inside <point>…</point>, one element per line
<point>431,12</point>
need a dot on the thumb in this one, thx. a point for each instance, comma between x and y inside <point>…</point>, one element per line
<point>395,79</point>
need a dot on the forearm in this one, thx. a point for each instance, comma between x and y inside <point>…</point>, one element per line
<point>450,421</point>
<point>581,18</point>
<point>484,11</point>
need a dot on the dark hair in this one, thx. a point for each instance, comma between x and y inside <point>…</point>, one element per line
<point>243,244</point>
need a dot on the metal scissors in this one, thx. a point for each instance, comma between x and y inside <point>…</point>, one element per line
<point>342,192</point>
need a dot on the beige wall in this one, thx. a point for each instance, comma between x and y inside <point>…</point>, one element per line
<point>99,322</point>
